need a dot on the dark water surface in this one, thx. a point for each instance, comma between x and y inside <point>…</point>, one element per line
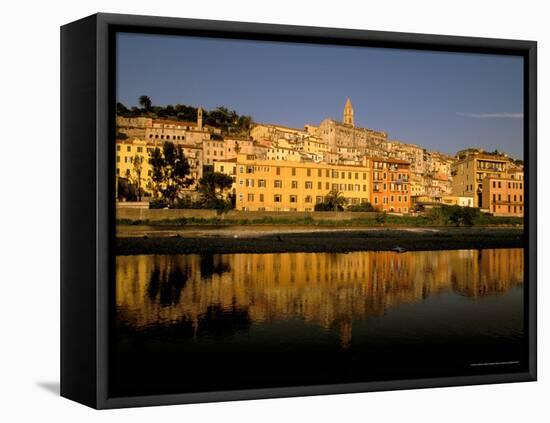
<point>191,323</point>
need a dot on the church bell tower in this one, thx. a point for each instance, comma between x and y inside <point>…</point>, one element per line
<point>199,118</point>
<point>348,113</point>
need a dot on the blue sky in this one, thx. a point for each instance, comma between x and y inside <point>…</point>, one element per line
<point>441,101</point>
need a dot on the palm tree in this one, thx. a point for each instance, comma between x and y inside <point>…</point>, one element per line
<point>335,200</point>
<point>145,102</point>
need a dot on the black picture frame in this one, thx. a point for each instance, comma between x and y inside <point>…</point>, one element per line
<point>87,214</point>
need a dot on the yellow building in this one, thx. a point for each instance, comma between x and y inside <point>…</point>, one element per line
<point>469,171</point>
<point>267,185</point>
<point>139,173</point>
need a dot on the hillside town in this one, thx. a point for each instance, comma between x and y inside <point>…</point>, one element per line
<point>278,168</point>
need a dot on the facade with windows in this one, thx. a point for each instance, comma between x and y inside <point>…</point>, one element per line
<point>267,185</point>
<point>469,172</point>
<point>391,185</point>
<point>132,162</point>
<point>504,196</point>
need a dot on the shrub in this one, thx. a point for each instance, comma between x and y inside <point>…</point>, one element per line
<point>381,217</point>
<point>323,207</point>
<point>454,215</point>
<point>363,207</point>
<point>158,204</point>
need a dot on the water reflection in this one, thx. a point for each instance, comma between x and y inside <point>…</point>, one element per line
<point>218,295</point>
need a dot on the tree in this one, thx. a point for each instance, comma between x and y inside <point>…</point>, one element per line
<point>137,168</point>
<point>145,102</point>
<point>121,109</point>
<point>170,172</point>
<point>333,201</point>
<point>211,187</point>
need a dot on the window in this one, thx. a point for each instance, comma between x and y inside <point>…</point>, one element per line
<point>261,198</point>
<point>128,148</point>
<point>327,173</point>
<point>293,199</point>
<point>250,197</point>
<point>293,171</point>
<point>319,185</point>
<point>118,159</point>
<point>365,187</point>
<point>308,199</point>
<point>261,183</point>
<point>278,184</point>
<point>318,199</point>
<point>319,173</point>
<point>327,185</point>
<point>277,198</point>
<point>294,184</point>
<point>309,172</point>
<point>277,170</point>
<point>364,176</point>
<point>309,184</point>
<point>118,148</point>
<point>356,175</point>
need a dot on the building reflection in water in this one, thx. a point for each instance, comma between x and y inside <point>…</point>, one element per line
<point>329,290</point>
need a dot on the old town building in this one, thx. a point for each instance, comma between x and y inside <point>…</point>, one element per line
<point>390,185</point>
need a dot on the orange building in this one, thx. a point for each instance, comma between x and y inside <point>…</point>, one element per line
<point>504,196</point>
<point>391,185</point>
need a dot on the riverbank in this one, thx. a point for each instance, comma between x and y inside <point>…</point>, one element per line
<point>306,239</point>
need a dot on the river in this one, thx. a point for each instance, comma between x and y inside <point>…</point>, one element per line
<point>234,321</point>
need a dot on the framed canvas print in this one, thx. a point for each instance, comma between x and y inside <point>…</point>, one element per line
<point>256,211</point>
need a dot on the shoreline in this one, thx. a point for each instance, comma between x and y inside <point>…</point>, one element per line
<point>338,240</point>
